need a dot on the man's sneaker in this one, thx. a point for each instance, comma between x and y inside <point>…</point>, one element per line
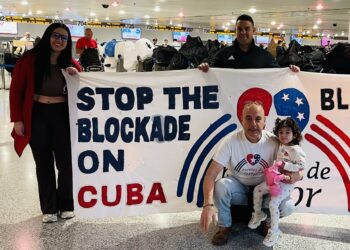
<point>272,237</point>
<point>48,218</point>
<point>67,214</point>
<point>221,236</point>
<point>256,220</point>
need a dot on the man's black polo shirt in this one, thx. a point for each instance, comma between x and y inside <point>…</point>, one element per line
<point>234,57</point>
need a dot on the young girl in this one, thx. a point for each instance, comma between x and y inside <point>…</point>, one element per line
<point>290,157</point>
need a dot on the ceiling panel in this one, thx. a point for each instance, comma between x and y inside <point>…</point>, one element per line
<point>295,15</point>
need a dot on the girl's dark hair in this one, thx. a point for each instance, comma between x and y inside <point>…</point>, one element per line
<point>43,51</point>
<point>289,123</point>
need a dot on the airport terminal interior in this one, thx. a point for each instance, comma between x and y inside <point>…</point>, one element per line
<point>125,33</point>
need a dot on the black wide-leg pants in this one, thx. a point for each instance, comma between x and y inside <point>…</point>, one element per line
<point>50,144</point>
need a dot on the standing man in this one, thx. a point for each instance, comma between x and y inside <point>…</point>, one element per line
<point>245,152</point>
<point>85,42</point>
<point>243,54</point>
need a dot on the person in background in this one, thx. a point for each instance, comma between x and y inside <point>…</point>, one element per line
<point>85,42</point>
<point>27,37</point>
<point>39,111</point>
<point>165,44</point>
<point>155,40</point>
<point>176,44</point>
<point>26,46</point>
<point>279,50</point>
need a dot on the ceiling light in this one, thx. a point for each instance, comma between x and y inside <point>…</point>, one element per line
<point>71,20</point>
<point>146,16</point>
<point>281,25</point>
<point>0,7</point>
<point>30,13</point>
<point>233,21</point>
<point>322,34</point>
<point>283,32</point>
<point>273,23</point>
<point>319,7</point>
<point>171,22</point>
<point>319,21</point>
<point>181,14</point>
<point>92,14</point>
<point>318,34</point>
<point>147,23</point>
<point>96,19</point>
<point>179,25</point>
<point>156,8</point>
<point>24,2</point>
<point>315,27</point>
<point>115,4</point>
<point>24,15</point>
<point>328,35</point>
<point>67,9</point>
<point>86,19</point>
<point>252,10</point>
<point>122,12</point>
<point>343,33</point>
<point>107,18</point>
<point>308,32</point>
<point>336,34</point>
<point>278,27</point>
<point>39,12</point>
<point>228,23</point>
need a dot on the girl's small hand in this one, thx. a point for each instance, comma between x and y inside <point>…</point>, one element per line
<point>71,70</point>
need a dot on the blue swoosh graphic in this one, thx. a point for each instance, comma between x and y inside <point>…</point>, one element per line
<point>202,156</point>
<point>194,150</point>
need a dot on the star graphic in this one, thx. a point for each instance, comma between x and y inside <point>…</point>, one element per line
<point>285,97</point>
<point>299,101</point>
<point>300,116</point>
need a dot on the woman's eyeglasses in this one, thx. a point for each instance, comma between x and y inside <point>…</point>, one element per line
<point>58,36</point>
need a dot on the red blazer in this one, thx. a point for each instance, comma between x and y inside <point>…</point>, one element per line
<point>22,95</point>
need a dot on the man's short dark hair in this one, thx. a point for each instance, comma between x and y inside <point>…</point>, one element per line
<point>245,18</point>
<point>279,42</point>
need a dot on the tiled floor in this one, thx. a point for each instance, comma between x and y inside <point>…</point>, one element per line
<point>21,226</point>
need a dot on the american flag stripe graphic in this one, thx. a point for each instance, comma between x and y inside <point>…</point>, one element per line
<point>334,128</point>
<point>240,165</point>
<point>263,163</point>
<point>332,141</point>
<point>330,154</point>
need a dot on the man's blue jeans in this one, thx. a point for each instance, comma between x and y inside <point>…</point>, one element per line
<point>229,191</point>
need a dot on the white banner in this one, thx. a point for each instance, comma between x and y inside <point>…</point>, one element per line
<point>141,142</point>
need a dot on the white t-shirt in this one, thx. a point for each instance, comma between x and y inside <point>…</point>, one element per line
<point>293,157</point>
<point>246,160</point>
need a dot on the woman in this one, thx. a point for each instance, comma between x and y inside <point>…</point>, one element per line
<point>39,110</point>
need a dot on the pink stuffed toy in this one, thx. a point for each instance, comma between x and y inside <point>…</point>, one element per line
<point>273,177</point>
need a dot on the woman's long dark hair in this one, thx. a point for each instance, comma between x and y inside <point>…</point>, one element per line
<point>43,52</point>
